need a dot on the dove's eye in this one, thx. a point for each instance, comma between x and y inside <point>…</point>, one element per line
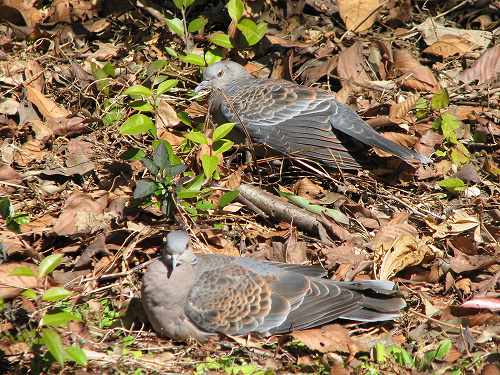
<point>220,73</point>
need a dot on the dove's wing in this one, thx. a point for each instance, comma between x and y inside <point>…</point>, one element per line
<point>303,121</point>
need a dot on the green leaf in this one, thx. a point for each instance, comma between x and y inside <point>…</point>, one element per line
<point>142,106</point>
<point>59,319</point>
<point>174,159</point>
<point>77,354</point>
<point>5,208</point>
<point>56,294</point>
<point>138,92</point>
<point>204,205</point>
<point>192,189</point>
<point>228,197</point>
<point>183,3</point>
<point>235,8</point>
<point>225,146</point>
<point>49,264</point>
<point>171,52</point>
<point>133,154</point>
<point>452,184</point>
<point>184,118</point>
<point>160,156</point>
<point>449,126</point>
<point>213,55</point>
<point>166,86</point>
<point>252,32</point>
<point>440,99</point>
<point>22,271</point>
<point>21,219</point>
<point>459,154</point>
<point>112,116</point>
<point>379,352</point>
<point>422,108</point>
<point>223,130</point>
<point>109,70</point>
<point>54,344</point>
<point>335,214</point>
<point>138,124</point>
<point>196,137</point>
<point>191,58</point>
<point>209,164</point>
<point>176,26</point>
<point>221,39</point>
<point>156,66</point>
<point>144,188</point>
<point>197,24</point>
<point>443,349</point>
<point>29,294</point>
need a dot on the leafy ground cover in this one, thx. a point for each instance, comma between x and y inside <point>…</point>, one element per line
<point>104,146</point>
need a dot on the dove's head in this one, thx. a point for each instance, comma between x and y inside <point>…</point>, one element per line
<point>177,250</point>
<point>220,74</point>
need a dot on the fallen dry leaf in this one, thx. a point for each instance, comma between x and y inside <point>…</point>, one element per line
<point>433,31</point>
<point>31,15</point>
<point>82,214</point>
<point>166,117</point>
<point>415,75</point>
<point>350,65</point>
<point>11,286</point>
<point>486,68</point>
<point>450,45</point>
<point>399,111</point>
<point>488,303</point>
<point>460,221</point>
<point>11,177</point>
<point>399,138</point>
<point>329,338</point>
<point>358,15</point>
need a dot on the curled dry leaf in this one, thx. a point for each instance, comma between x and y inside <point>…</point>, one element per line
<point>486,68</point>
<point>31,15</point>
<point>450,45</point>
<point>460,221</point>
<point>11,286</point>
<point>404,252</point>
<point>432,32</point>
<point>358,15</point>
<point>78,159</point>
<point>166,117</point>
<point>30,151</point>
<point>415,75</point>
<point>309,190</point>
<point>399,111</point>
<point>489,303</point>
<point>397,246</point>
<point>350,65</point>
<point>329,338</point>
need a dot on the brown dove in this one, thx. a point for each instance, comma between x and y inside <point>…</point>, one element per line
<point>295,120</point>
<point>187,296</point>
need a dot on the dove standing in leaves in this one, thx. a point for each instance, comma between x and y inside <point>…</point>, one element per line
<point>293,119</point>
<point>187,296</point>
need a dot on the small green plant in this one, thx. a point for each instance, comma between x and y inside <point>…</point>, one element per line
<point>252,33</point>
<point>58,314</point>
<point>12,219</point>
<point>228,365</point>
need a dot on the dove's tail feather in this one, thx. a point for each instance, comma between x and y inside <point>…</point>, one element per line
<point>348,122</point>
<point>380,301</point>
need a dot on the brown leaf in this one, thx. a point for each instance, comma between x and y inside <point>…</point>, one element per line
<point>477,302</point>
<point>11,286</point>
<point>400,110</point>
<point>308,189</point>
<point>166,117</point>
<point>439,169</point>
<point>486,68</point>
<point>462,262</point>
<point>11,176</point>
<point>31,15</point>
<point>330,338</point>
<point>274,39</point>
<point>295,250</point>
<point>47,107</point>
<point>433,32</point>
<point>460,221</point>
<point>30,151</point>
<point>416,76</point>
<point>358,15</point>
<point>450,45</point>
<point>34,75</point>
<point>81,214</point>
<point>350,65</point>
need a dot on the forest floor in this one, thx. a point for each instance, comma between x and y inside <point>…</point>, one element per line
<point>88,89</point>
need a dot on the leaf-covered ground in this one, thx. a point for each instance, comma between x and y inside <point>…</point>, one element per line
<point>88,89</point>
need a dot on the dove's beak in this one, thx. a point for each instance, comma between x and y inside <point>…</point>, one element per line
<point>204,85</point>
<point>171,265</point>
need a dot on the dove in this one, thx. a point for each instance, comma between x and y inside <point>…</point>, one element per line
<point>293,119</point>
<point>187,296</point>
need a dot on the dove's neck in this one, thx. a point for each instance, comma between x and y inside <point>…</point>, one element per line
<point>187,257</point>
